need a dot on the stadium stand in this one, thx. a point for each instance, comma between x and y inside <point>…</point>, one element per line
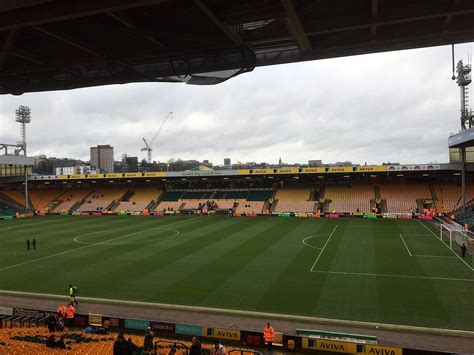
<point>259,195</point>
<point>293,200</point>
<point>7,209</point>
<point>166,205</point>
<point>71,198</point>
<point>349,198</point>
<point>221,204</point>
<point>197,195</point>
<point>403,198</point>
<point>237,195</point>
<point>102,199</point>
<point>141,198</point>
<point>449,197</point>
<point>14,197</point>
<point>292,194</point>
<point>43,199</point>
<point>33,341</point>
<point>295,206</point>
<point>171,195</point>
<point>250,207</point>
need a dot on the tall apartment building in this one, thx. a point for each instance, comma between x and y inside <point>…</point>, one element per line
<point>102,157</point>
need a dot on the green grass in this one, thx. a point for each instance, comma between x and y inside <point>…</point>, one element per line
<point>364,273</point>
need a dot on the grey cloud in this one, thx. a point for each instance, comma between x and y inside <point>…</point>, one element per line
<point>397,106</point>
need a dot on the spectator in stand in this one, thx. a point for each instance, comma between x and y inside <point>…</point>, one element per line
<point>148,340</point>
<point>134,347</point>
<point>51,341</point>
<point>195,347</point>
<point>61,343</point>
<point>269,335</point>
<point>121,346</point>
<point>51,323</point>
<point>60,324</point>
<point>218,349</point>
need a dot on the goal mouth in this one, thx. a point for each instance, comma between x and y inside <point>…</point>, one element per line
<point>458,240</point>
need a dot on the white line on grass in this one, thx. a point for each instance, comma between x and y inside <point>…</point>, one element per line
<point>322,250</point>
<point>388,275</point>
<point>406,246</point>
<point>313,236</point>
<point>470,268</point>
<point>435,256</point>
<point>84,247</point>
<point>5,229</point>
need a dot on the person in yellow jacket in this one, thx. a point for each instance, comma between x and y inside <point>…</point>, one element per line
<point>269,335</point>
<point>73,294</point>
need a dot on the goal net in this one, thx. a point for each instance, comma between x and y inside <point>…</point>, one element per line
<point>455,239</point>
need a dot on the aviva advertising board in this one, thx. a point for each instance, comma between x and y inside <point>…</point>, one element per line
<point>220,333</point>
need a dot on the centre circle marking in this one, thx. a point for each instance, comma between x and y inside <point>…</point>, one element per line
<point>313,236</point>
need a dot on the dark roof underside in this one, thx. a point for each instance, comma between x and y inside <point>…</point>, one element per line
<point>65,44</point>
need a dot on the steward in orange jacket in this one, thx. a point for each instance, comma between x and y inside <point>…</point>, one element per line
<point>269,335</point>
<point>70,313</point>
<point>62,310</point>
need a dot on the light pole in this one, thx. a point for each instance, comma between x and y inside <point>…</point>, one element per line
<point>23,116</point>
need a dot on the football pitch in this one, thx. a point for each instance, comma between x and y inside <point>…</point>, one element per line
<point>385,271</point>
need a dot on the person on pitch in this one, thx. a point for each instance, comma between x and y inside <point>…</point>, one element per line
<point>73,294</point>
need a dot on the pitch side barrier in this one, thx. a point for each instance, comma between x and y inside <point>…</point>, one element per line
<point>306,340</point>
<point>211,213</point>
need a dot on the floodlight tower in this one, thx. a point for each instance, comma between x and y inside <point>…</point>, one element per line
<point>463,80</point>
<point>23,116</point>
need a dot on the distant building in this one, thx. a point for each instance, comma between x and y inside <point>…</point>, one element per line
<point>73,170</point>
<point>132,164</point>
<point>227,162</point>
<point>102,157</point>
<point>316,163</point>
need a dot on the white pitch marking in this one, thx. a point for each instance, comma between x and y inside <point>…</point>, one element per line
<point>429,230</point>
<point>435,256</point>
<point>5,229</point>
<point>84,247</point>
<point>313,236</point>
<point>387,275</point>
<point>406,246</point>
<point>324,246</point>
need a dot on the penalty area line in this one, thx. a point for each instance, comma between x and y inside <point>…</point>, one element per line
<point>392,275</point>
<point>406,246</point>
<point>429,230</point>
<point>324,247</point>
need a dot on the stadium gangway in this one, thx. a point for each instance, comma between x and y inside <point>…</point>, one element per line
<point>28,321</point>
<point>5,320</point>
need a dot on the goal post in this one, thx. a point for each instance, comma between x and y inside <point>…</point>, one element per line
<point>454,238</point>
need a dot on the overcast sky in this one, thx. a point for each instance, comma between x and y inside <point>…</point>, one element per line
<point>396,106</point>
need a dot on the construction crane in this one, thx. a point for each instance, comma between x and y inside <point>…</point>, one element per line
<point>148,145</point>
